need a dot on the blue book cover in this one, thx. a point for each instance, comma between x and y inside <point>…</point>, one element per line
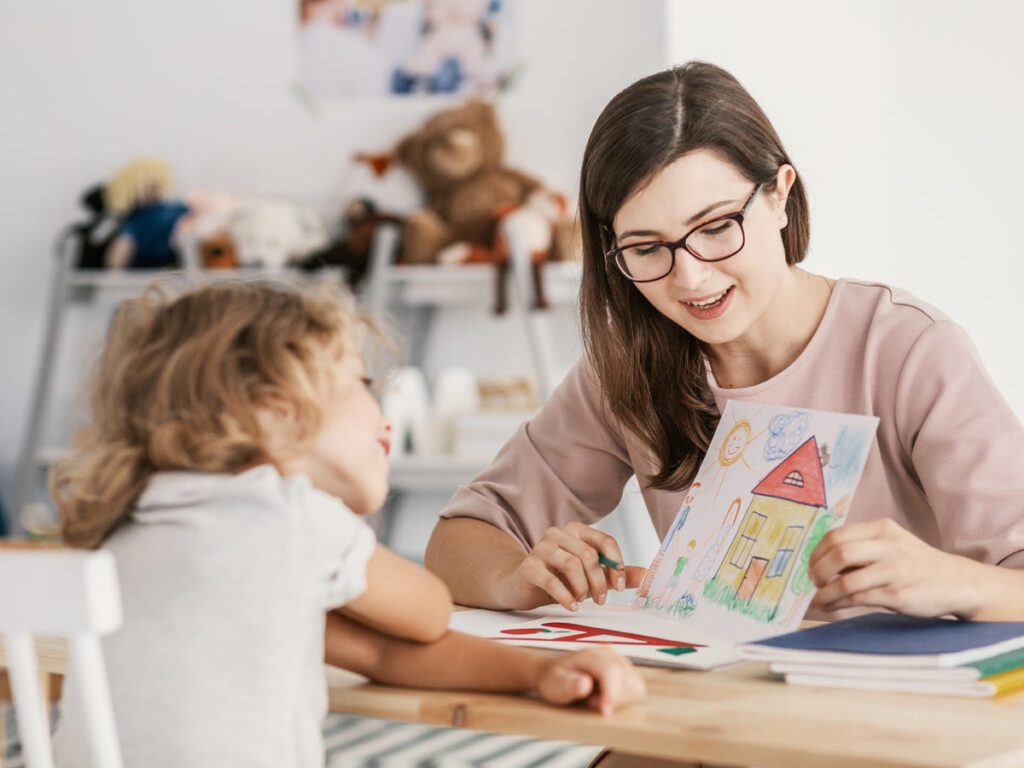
<point>884,639</point>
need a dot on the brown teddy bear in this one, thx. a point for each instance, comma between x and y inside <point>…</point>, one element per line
<point>457,159</point>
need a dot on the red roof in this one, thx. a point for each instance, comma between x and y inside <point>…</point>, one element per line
<point>797,478</point>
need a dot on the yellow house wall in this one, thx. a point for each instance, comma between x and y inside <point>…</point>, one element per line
<point>781,514</point>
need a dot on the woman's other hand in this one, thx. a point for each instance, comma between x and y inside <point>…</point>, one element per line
<point>564,567</point>
<point>878,563</point>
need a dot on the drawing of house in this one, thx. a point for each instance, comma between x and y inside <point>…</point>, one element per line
<point>757,565</point>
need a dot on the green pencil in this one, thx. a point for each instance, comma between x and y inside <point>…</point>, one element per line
<point>607,562</point>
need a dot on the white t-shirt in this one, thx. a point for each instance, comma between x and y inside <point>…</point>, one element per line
<point>225,582</point>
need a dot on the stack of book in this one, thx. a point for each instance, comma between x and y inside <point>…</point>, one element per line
<point>882,651</point>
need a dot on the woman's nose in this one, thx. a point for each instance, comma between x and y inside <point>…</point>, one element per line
<point>688,271</point>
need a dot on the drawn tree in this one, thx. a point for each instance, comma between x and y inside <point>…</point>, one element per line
<point>801,583</point>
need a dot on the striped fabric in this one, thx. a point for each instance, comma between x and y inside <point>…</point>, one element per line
<point>362,742</point>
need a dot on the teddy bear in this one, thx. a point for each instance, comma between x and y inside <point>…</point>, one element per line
<point>456,158</point>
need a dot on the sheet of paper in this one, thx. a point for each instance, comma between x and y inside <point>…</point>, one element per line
<point>774,481</point>
<point>644,637</point>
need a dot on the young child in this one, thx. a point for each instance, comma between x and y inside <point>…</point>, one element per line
<point>233,446</point>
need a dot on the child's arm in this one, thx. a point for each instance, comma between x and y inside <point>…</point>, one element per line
<point>602,677</point>
<point>401,599</point>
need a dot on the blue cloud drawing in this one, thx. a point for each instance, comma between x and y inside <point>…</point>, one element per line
<point>786,432</point>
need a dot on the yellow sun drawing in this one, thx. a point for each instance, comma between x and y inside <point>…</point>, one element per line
<point>735,442</point>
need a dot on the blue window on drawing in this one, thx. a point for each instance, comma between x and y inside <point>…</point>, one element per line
<point>784,552</point>
<point>743,548</point>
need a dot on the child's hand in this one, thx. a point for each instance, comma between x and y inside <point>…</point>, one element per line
<point>603,677</point>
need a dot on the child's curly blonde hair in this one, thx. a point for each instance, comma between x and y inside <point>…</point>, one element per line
<point>180,385</point>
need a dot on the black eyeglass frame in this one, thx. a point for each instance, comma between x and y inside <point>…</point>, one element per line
<point>738,217</point>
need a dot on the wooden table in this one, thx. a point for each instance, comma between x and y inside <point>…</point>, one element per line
<point>738,716</point>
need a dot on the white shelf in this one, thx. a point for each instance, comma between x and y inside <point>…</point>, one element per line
<point>453,273</point>
<point>442,474</point>
<point>138,278</point>
<point>450,284</point>
<point>408,473</point>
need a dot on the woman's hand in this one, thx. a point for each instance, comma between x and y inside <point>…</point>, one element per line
<point>563,567</point>
<point>878,563</point>
<point>604,678</point>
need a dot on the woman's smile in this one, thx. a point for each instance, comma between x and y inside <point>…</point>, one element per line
<point>710,306</point>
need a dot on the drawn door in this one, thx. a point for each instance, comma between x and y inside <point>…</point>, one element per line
<point>752,577</point>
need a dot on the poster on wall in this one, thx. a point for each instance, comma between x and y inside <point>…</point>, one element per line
<point>359,48</point>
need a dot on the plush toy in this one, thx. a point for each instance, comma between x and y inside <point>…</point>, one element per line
<point>352,250</point>
<point>534,223</point>
<point>472,197</point>
<point>271,234</point>
<point>94,236</point>
<point>146,237</point>
<point>456,158</point>
<point>217,251</point>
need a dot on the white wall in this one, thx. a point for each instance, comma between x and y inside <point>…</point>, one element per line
<point>207,86</point>
<point>905,118</point>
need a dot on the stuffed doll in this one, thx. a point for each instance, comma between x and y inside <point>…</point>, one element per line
<point>271,234</point>
<point>352,250</point>
<point>146,237</point>
<point>94,236</point>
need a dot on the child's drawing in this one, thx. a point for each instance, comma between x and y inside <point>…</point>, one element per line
<point>787,430</point>
<point>744,564</point>
<point>678,523</point>
<point>727,451</point>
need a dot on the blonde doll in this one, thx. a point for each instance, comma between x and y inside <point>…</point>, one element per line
<point>234,446</point>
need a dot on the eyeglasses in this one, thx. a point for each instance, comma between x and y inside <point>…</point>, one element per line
<point>714,240</point>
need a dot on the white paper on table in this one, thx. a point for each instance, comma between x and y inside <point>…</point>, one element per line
<point>644,637</point>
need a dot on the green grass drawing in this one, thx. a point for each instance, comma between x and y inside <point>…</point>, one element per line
<point>717,591</point>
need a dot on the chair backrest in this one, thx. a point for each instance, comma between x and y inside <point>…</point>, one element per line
<point>60,593</point>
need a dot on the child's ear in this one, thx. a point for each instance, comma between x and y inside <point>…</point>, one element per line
<point>278,424</point>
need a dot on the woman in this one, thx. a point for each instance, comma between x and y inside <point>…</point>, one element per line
<point>694,223</point>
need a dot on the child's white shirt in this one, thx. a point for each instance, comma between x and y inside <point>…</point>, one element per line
<point>225,581</point>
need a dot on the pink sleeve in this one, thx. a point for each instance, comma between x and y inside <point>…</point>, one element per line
<point>567,463</point>
<point>966,446</point>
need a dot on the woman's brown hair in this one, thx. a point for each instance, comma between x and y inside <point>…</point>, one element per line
<point>180,384</point>
<point>652,372</point>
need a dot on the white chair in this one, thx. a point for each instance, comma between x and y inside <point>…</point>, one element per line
<point>60,593</point>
